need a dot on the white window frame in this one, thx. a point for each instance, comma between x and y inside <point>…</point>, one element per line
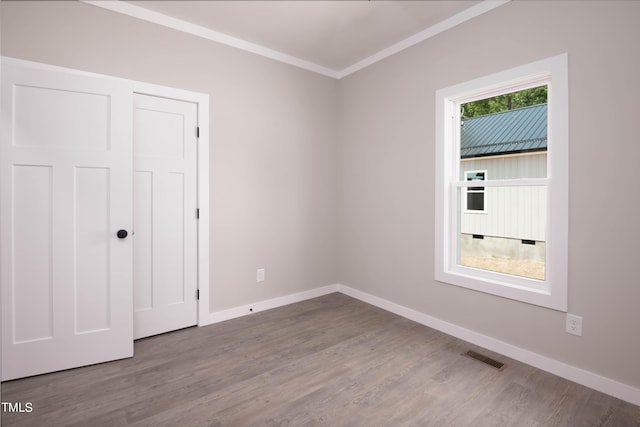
<point>551,292</point>
<point>483,191</point>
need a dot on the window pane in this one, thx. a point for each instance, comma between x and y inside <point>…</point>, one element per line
<point>511,236</point>
<point>475,176</point>
<point>505,135</point>
<point>475,201</point>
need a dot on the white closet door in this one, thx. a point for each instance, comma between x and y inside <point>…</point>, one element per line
<point>65,191</point>
<point>165,222</point>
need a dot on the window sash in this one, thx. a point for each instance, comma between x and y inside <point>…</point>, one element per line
<point>516,182</point>
<point>503,279</point>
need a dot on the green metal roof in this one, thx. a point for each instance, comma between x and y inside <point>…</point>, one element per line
<point>507,132</point>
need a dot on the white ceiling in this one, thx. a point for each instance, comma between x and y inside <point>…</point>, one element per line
<point>334,38</point>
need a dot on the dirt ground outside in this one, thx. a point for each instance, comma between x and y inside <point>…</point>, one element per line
<point>530,269</point>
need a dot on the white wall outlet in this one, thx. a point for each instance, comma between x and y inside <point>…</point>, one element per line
<point>574,324</point>
<point>260,275</point>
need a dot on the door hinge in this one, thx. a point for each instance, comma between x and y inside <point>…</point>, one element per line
<point>197,213</point>
<point>198,294</point>
<point>198,132</point>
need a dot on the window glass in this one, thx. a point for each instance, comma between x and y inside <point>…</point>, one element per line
<point>475,195</point>
<point>506,135</point>
<point>513,235</point>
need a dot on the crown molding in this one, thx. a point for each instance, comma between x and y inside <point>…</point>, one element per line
<point>206,33</point>
<point>200,31</point>
<point>423,35</point>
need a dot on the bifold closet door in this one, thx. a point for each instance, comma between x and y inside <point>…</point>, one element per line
<point>66,217</point>
<point>165,215</point>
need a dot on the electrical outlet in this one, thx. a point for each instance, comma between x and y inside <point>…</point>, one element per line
<point>260,275</point>
<point>574,324</point>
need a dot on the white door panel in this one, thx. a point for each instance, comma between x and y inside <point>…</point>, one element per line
<point>32,288</point>
<point>65,190</point>
<point>165,223</point>
<point>55,118</point>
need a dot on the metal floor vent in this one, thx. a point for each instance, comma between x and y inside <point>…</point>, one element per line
<point>484,359</point>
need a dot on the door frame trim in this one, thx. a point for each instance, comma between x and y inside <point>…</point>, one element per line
<point>202,101</point>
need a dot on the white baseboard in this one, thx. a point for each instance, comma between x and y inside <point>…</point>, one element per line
<point>588,379</point>
<point>561,369</point>
<point>244,310</point>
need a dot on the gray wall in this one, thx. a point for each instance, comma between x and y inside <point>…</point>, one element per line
<point>386,177</point>
<point>360,212</point>
<point>272,136</point>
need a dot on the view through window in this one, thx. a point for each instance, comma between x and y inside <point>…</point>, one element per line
<point>502,228</point>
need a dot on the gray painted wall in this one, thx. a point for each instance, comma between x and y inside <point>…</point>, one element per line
<point>386,176</point>
<point>272,136</point>
<point>322,181</point>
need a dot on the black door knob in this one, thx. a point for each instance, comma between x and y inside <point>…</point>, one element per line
<point>122,234</point>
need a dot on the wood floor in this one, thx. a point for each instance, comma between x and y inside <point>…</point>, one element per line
<point>331,361</point>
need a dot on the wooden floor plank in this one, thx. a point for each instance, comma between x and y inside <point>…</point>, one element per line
<point>329,361</point>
